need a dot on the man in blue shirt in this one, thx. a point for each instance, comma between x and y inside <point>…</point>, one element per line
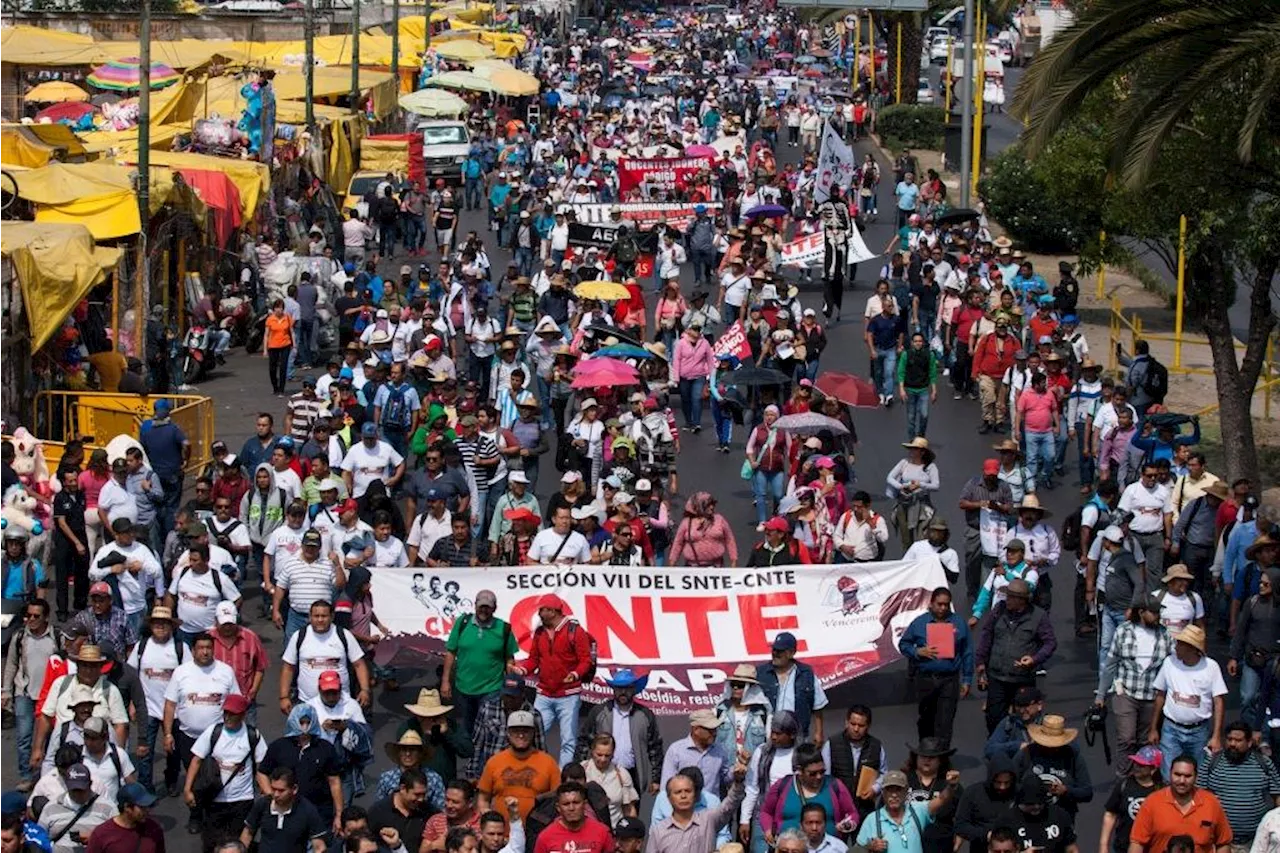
<point>169,451</point>
<point>34,836</point>
<point>941,682</point>
<point>884,342</point>
<point>24,577</point>
<point>907,194</point>
<point>898,826</point>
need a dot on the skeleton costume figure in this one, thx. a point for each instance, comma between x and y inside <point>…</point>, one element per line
<point>836,225</point>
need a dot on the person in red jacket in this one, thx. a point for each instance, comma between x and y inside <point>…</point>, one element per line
<point>992,356</point>
<point>560,657</point>
<point>574,830</point>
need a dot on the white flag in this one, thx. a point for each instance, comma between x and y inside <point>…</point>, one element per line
<point>835,164</point>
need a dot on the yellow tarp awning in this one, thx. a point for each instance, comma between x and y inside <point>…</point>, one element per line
<point>25,45</point>
<point>99,196</point>
<point>180,54</point>
<point>20,147</point>
<point>251,178</point>
<point>56,266</point>
<point>125,142</point>
<point>59,136</point>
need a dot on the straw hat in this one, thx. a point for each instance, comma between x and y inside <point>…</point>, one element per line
<point>1032,502</point>
<point>1192,635</point>
<point>744,672</point>
<point>410,739</point>
<point>428,705</point>
<point>1052,731</point>
<point>1002,242</point>
<point>160,613</point>
<point>1263,541</point>
<point>89,654</point>
<point>1178,571</point>
<point>1007,446</point>
<point>1219,490</point>
<point>919,442</point>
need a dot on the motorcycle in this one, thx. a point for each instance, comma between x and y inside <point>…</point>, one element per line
<point>198,361</point>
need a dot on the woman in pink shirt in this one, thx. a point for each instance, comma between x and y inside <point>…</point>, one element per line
<point>92,479</point>
<point>671,307</point>
<point>690,368</point>
<point>1037,418</point>
<point>703,538</point>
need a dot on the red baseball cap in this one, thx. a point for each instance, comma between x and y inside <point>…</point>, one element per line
<point>553,601</point>
<point>235,704</point>
<point>330,680</point>
<point>349,505</point>
<point>991,466</point>
<point>522,513</point>
<point>778,523</point>
<point>100,588</point>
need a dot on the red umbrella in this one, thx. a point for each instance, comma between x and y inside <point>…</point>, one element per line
<point>850,389</point>
<point>71,111</point>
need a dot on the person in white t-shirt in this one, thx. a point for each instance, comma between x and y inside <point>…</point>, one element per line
<point>286,477</point>
<point>156,658</point>
<point>196,591</point>
<point>388,551</point>
<point>283,547</point>
<point>936,544</point>
<point>317,648</point>
<point>114,500</point>
<point>194,698</point>
<point>369,460</point>
<point>134,567</point>
<point>1147,500</point>
<point>239,750</point>
<point>1190,699</point>
<point>333,705</point>
<point>1179,607</point>
<point>429,527</point>
<point>560,544</point>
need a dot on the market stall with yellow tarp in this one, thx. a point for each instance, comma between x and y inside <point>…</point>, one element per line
<point>252,179</point>
<point>56,265</point>
<point>20,147</point>
<point>182,53</point>
<point>506,45</point>
<point>26,45</point>
<point>506,78</point>
<point>99,196</point>
<point>122,142</point>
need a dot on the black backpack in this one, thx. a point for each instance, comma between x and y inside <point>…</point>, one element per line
<point>592,649</point>
<point>1155,384</point>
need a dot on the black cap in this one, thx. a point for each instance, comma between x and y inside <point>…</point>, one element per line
<point>1031,791</point>
<point>1027,696</point>
<point>628,827</point>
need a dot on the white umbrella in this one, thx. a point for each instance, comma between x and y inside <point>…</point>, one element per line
<point>433,103</point>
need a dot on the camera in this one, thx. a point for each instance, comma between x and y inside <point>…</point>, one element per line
<point>1095,719</point>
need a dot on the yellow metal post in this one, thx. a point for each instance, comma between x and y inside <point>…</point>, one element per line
<point>182,284</point>
<point>946,75</point>
<point>1267,375</point>
<point>897,71</point>
<point>1182,291</point>
<point>980,49</point>
<point>1102,267</point>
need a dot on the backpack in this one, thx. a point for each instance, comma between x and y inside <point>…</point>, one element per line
<point>396,411</point>
<point>301,635</point>
<point>208,783</point>
<point>142,649</point>
<point>506,629</point>
<point>1155,384</point>
<point>592,649</point>
<point>625,249</point>
<point>1071,525</point>
<point>217,579</point>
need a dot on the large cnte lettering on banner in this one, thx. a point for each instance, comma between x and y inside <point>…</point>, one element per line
<point>687,627</point>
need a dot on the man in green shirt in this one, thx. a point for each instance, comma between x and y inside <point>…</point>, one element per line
<point>480,650</point>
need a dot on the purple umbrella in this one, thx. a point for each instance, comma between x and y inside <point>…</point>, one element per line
<point>766,211</point>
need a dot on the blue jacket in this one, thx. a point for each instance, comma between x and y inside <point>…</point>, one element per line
<point>1007,739</point>
<point>804,690</point>
<point>915,637</point>
<point>1238,541</point>
<point>1154,449</point>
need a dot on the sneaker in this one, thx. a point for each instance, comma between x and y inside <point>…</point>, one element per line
<point>973,395</point>
<point>957,396</point>
<point>946,371</point>
<point>697,429</point>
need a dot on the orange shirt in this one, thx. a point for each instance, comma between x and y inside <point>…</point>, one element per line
<point>1160,819</point>
<point>505,775</point>
<point>279,331</point>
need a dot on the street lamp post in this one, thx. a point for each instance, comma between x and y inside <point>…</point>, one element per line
<point>309,73</point>
<point>966,106</point>
<point>355,56</point>
<point>144,172</point>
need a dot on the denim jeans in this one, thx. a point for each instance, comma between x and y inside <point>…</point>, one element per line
<point>691,400</point>
<point>723,422</point>
<point>765,484</point>
<point>1250,682</point>
<point>471,193</point>
<point>1040,448</point>
<point>307,341</point>
<point>564,710</point>
<point>1177,740</point>
<point>1060,444</point>
<point>917,413</point>
<point>386,239</point>
<point>24,709</point>
<point>153,739</point>
<point>293,622</point>
<point>867,203</point>
<point>1112,618</point>
<point>478,511</point>
<point>467,707</point>
<point>1086,462</point>
<point>702,265</point>
<point>524,261</point>
<point>883,370</point>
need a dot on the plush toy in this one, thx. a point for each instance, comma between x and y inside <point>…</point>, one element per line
<point>32,470</point>
<point>20,509</point>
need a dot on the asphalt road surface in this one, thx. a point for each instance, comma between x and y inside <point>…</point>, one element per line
<point>240,389</point>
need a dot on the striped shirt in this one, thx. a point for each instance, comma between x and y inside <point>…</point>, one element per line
<point>306,583</point>
<point>471,449</point>
<point>1247,789</point>
<point>302,414</point>
<point>245,655</point>
<point>1083,400</point>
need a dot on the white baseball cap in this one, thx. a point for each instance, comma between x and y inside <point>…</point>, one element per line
<point>226,614</point>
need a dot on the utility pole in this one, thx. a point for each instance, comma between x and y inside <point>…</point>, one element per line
<point>966,106</point>
<point>355,56</point>
<point>144,169</point>
<point>309,36</point>
<point>395,41</point>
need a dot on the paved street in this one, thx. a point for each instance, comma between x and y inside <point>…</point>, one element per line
<point>240,388</point>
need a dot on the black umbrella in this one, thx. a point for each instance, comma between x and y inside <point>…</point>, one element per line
<point>604,330</point>
<point>960,214</point>
<point>655,90</point>
<point>754,376</point>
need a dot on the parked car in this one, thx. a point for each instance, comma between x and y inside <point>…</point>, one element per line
<point>939,48</point>
<point>445,145</point>
<point>925,93</point>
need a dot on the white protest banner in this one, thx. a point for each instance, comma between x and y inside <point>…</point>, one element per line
<point>644,214</point>
<point>733,342</point>
<point>686,627</point>
<point>836,164</point>
<point>809,250</point>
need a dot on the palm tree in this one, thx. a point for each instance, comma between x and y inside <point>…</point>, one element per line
<point>1185,75</point>
<point>1165,56</point>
